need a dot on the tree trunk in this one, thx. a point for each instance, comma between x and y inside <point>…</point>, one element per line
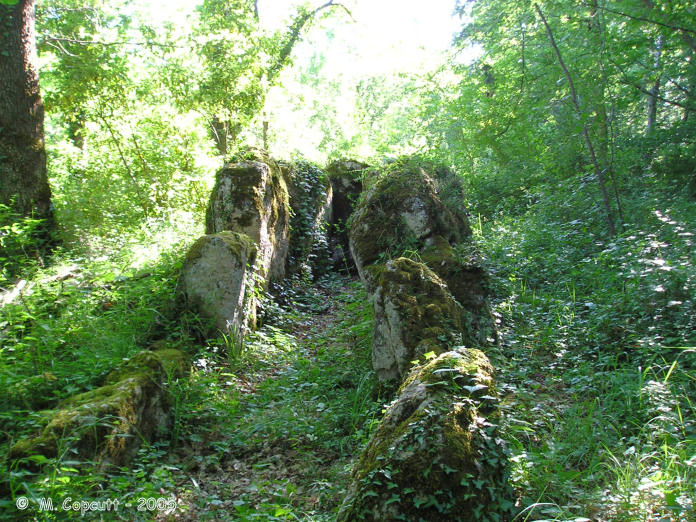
<point>219,130</point>
<point>23,178</point>
<point>604,144</point>
<point>585,132</point>
<point>655,91</point>
<point>691,94</point>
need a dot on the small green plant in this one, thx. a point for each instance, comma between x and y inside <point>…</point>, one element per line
<point>23,242</point>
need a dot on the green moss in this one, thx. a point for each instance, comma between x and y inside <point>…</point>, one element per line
<point>434,456</point>
<point>462,269</point>
<point>107,422</point>
<point>468,365</point>
<point>157,365</point>
<point>378,228</point>
<point>235,241</point>
<point>432,320</point>
<point>83,421</point>
<point>346,168</point>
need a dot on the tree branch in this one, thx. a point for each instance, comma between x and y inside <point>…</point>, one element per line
<point>58,40</point>
<point>649,20</point>
<point>627,81</point>
<point>598,171</point>
<point>294,34</point>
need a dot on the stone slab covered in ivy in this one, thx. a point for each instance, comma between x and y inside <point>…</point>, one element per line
<point>311,201</point>
<point>436,455</point>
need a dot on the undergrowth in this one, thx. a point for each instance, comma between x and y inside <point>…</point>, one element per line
<point>264,429</point>
<point>598,355</point>
<point>271,433</point>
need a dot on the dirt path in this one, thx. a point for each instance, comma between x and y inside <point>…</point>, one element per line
<point>299,408</point>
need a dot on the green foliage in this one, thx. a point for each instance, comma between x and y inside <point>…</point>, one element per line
<point>595,355</point>
<point>309,187</point>
<point>22,243</point>
<point>287,415</point>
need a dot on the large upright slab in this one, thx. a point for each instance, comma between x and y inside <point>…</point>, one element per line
<point>437,297</point>
<point>251,197</point>
<point>217,281</point>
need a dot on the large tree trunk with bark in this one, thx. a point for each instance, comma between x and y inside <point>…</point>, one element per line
<point>23,179</point>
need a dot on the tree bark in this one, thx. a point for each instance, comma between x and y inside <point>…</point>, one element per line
<point>219,129</point>
<point>23,177</point>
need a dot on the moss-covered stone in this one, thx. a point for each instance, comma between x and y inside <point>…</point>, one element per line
<point>414,314</point>
<point>403,213</point>
<point>251,197</point>
<point>109,423</point>
<point>435,455</point>
<point>217,281</point>
<point>461,267</point>
<point>158,365</point>
<point>400,213</point>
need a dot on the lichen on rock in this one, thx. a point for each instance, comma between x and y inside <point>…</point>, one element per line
<point>401,212</point>
<point>251,197</point>
<point>109,423</point>
<point>217,280</point>
<point>414,314</point>
<point>436,454</point>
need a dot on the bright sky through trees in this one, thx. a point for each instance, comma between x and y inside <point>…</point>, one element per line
<point>384,35</point>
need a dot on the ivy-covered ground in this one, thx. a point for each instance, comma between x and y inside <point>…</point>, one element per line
<point>274,431</point>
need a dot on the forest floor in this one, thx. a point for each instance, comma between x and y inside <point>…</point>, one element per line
<point>596,368</point>
<point>282,421</point>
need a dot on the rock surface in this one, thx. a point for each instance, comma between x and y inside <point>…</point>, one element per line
<point>436,454</point>
<point>346,183</point>
<point>251,197</point>
<point>109,423</point>
<point>414,314</point>
<point>217,281</point>
<point>402,214</point>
